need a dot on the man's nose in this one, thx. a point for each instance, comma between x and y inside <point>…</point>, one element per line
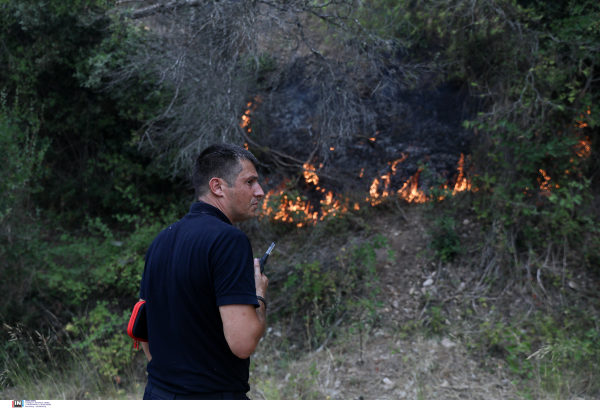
<point>258,191</point>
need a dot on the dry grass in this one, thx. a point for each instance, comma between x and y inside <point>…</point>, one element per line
<point>388,368</point>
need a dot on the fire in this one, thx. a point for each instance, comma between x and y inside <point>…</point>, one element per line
<point>246,116</point>
<point>373,189</point>
<point>374,196</point>
<point>462,183</point>
<point>410,191</point>
<point>395,163</point>
<point>281,206</point>
<point>288,210</point>
<point>292,208</point>
<point>544,185</point>
<point>309,174</point>
<point>580,123</point>
<point>250,107</point>
<point>583,148</point>
<point>386,183</point>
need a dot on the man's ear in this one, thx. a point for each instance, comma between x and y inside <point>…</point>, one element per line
<point>215,184</point>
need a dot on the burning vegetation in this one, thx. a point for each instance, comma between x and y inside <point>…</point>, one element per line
<point>582,149</point>
<point>283,204</point>
<point>286,205</point>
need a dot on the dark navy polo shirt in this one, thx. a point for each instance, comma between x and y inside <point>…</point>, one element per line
<point>192,267</point>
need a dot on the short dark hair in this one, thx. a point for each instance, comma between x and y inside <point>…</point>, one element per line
<point>222,161</point>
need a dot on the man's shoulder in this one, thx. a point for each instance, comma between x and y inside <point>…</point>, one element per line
<point>161,235</point>
<point>204,226</point>
<point>229,233</point>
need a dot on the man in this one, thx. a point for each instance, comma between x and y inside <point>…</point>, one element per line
<point>204,294</point>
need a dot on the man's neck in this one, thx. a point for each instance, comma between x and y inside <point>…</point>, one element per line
<point>217,204</point>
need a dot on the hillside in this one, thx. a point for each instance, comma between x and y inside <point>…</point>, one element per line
<point>431,175</point>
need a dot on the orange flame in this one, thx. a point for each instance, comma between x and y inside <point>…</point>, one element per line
<point>251,108</point>
<point>410,191</point>
<point>544,185</point>
<point>583,148</point>
<point>298,210</point>
<point>395,163</point>
<point>287,208</point>
<point>462,183</point>
<point>309,174</point>
<point>373,189</point>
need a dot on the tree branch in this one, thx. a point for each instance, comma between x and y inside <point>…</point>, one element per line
<point>165,7</point>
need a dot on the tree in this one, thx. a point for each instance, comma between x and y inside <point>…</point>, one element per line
<point>53,55</point>
<point>216,59</point>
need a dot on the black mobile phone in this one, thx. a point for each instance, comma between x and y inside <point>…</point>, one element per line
<point>263,260</point>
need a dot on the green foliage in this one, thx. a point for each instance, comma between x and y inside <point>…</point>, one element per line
<point>54,59</point>
<point>556,352</point>
<point>444,239</point>
<point>435,320</point>
<point>80,268</point>
<point>72,158</point>
<point>322,294</point>
<point>103,337</point>
<point>302,386</point>
<point>310,283</point>
<point>83,272</point>
<point>40,365</point>
<point>21,155</point>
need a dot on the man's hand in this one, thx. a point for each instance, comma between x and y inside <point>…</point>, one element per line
<point>260,280</point>
<point>244,325</point>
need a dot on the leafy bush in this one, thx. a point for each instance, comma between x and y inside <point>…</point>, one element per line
<point>104,339</point>
<point>444,239</point>
<point>325,294</point>
<point>21,156</point>
<point>558,353</point>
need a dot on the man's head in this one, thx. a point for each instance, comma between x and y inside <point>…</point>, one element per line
<point>225,176</point>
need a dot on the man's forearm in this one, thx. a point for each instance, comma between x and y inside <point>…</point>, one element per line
<point>261,314</point>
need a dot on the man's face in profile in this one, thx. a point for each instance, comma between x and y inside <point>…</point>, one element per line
<point>244,196</point>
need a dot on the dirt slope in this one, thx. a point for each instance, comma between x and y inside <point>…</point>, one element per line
<point>391,365</point>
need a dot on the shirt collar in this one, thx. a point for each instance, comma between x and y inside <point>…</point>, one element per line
<point>201,207</point>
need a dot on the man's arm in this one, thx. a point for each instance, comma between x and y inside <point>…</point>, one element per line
<point>145,346</point>
<point>244,325</point>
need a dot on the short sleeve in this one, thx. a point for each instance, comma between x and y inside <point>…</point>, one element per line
<point>233,269</point>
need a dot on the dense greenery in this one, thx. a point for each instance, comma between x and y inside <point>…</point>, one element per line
<point>86,163</point>
<point>79,204</point>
